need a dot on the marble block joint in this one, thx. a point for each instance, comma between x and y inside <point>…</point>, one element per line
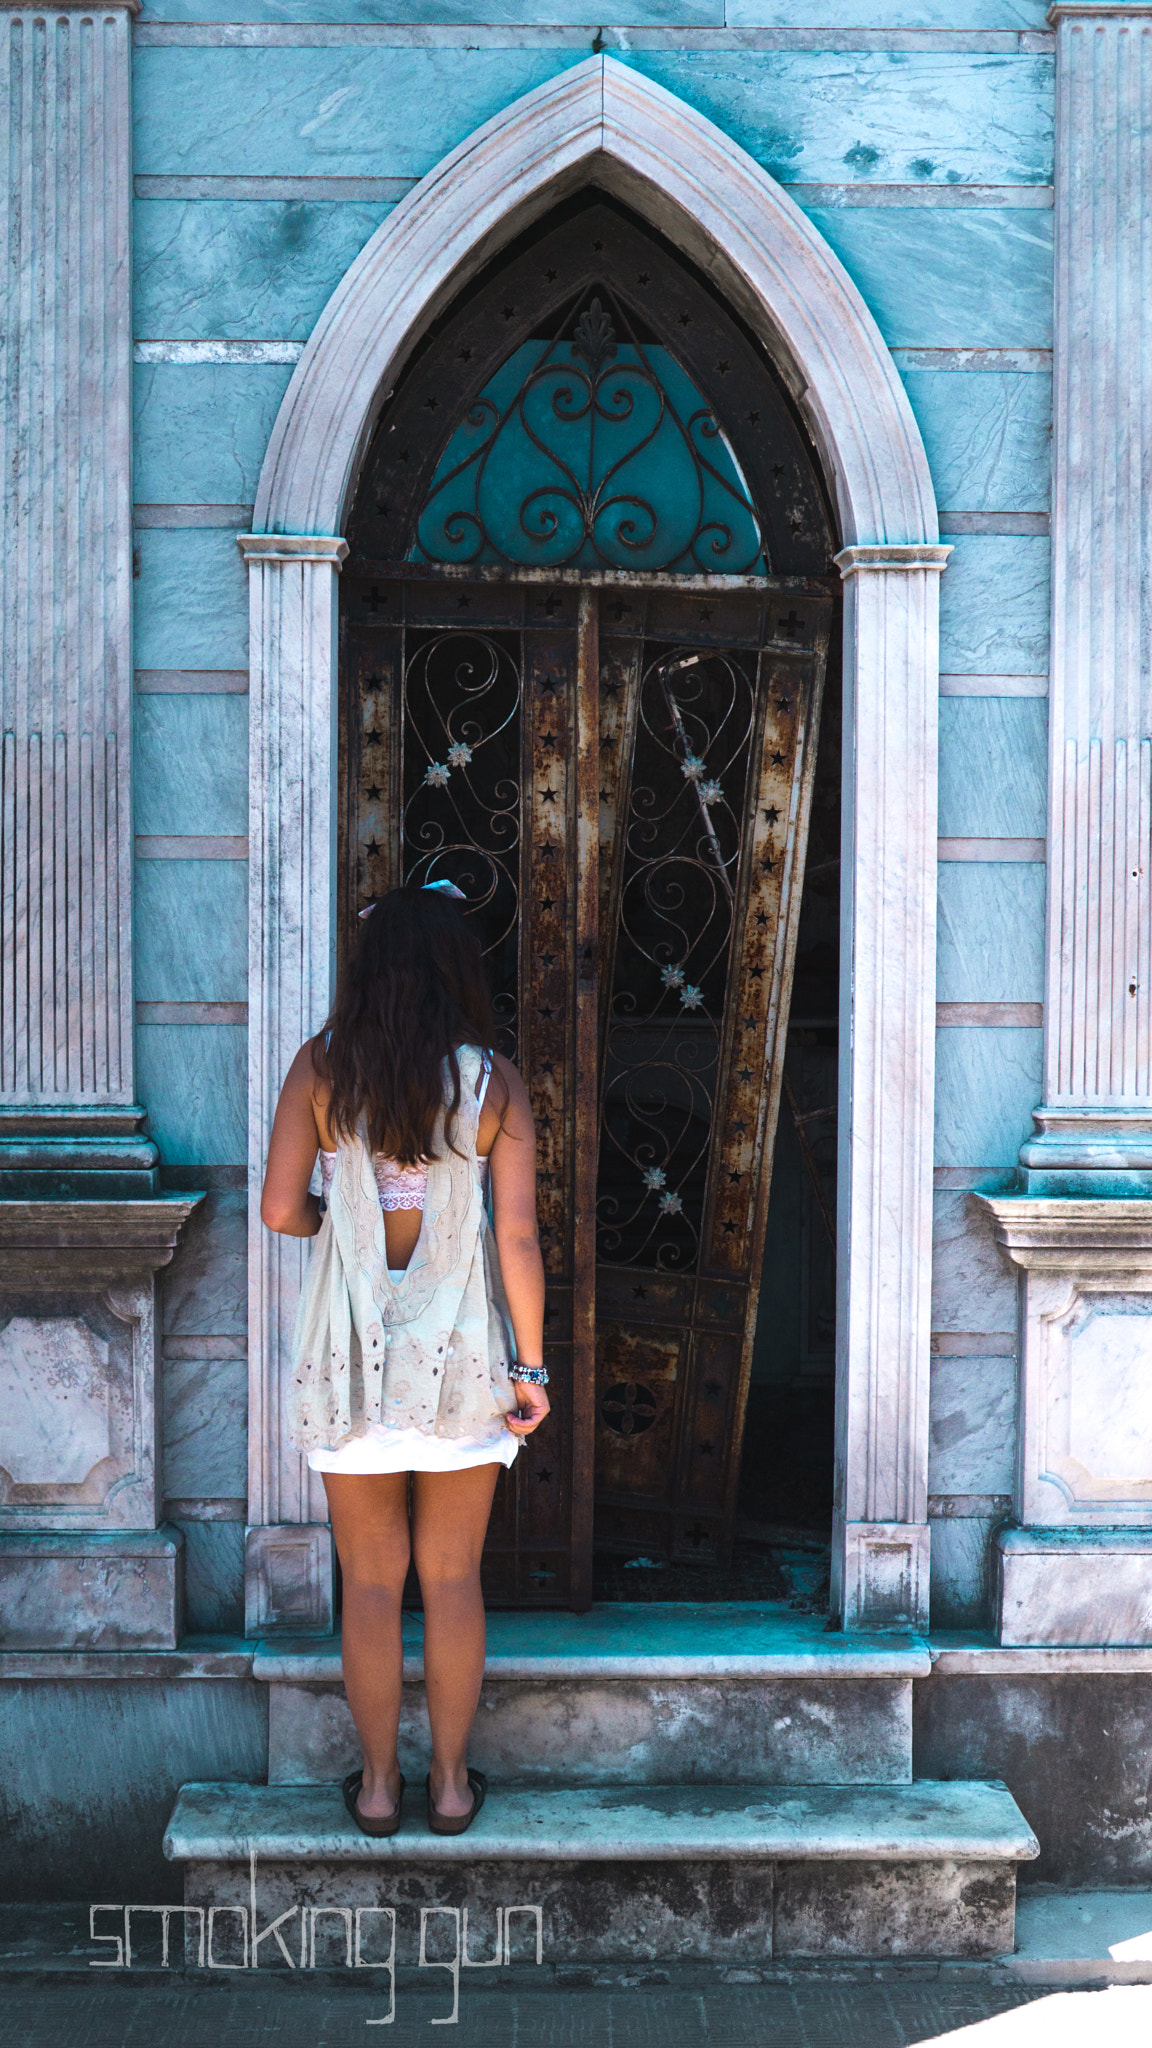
<point>1078,1569</point>
<point>1094,1130</point>
<point>601,121</point>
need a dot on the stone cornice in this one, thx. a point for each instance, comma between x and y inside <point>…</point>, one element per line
<point>1067,1234</point>
<point>1099,10</point>
<point>65,1244</point>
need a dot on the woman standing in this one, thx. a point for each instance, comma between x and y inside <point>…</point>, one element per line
<point>419,1340</point>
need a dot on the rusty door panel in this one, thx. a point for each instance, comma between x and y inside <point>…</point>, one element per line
<point>649,1364</point>
<point>774,644</point>
<point>638,1374</point>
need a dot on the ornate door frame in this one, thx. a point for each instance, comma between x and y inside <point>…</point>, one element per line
<point>600,123</point>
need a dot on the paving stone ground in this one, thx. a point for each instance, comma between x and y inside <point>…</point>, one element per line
<point>46,2014</point>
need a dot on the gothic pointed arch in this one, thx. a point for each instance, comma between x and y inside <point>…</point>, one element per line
<point>603,124</point>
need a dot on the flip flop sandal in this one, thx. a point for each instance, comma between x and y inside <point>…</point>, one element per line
<point>455,1823</point>
<point>367,1823</point>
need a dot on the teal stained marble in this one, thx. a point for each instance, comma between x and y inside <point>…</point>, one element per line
<point>824,117</point>
<point>988,1081</point>
<point>214,1577</point>
<point>948,277</point>
<point>192,931</point>
<point>201,430</point>
<point>253,269</point>
<point>467,13</point>
<point>993,767</point>
<point>191,763</point>
<point>810,115</point>
<point>973,1285</point>
<point>193,1079</point>
<point>972,1425</point>
<point>364,111</point>
<point>990,932</point>
<point>959,1576</point>
<point>994,598</point>
<point>987,436</point>
<point>205,1428</point>
<point>205,1289</point>
<point>191,600</point>
<point>955,15</point>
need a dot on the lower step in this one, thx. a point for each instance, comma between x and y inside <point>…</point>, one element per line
<point>613,1873</point>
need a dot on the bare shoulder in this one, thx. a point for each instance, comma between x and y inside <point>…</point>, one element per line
<point>516,1094</point>
<point>305,1090</point>
<point>507,1110</point>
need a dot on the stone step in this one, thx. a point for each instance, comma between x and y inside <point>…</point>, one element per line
<point>662,1694</point>
<point>616,1872</point>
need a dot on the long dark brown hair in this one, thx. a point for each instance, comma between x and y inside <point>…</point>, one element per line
<point>413,991</point>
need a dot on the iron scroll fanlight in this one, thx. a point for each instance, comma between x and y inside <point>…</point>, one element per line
<point>591,448</point>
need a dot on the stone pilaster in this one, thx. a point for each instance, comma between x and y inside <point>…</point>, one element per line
<point>65,656</point>
<point>292,937</point>
<point>888,950</point>
<point>1095,1126</point>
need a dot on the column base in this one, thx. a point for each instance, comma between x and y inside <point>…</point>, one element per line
<point>290,1580</point>
<point>1086,1588</point>
<point>1090,1152</point>
<point>93,1590</point>
<point>880,1574</point>
<point>67,1155</point>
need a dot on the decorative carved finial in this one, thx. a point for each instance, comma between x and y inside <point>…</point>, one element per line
<point>594,337</point>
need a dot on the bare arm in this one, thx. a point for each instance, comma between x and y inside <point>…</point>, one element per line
<point>512,1165</point>
<point>285,1204</point>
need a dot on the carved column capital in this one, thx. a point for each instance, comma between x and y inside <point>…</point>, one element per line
<point>852,561</point>
<point>293,547</point>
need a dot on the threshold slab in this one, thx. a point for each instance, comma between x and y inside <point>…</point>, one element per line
<point>954,1821</point>
<point>626,1639</point>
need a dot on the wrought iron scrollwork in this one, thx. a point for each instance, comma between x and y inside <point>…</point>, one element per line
<point>591,448</point>
<point>461,819</point>
<point>677,903</point>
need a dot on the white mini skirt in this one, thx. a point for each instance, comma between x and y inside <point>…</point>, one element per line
<point>385,1449</point>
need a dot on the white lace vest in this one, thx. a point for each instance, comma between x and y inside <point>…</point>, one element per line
<point>430,1351</point>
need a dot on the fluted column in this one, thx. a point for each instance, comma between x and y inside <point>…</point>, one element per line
<point>888,950</point>
<point>1095,1127</point>
<point>65,659</point>
<point>292,942</point>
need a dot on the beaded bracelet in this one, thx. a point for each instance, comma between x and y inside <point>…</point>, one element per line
<point>536,1373</point>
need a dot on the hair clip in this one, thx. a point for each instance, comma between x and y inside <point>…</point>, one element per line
<point>443,888</point>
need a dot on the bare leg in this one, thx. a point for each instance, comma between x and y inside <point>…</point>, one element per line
<point>370,1524</point>
<point>450,1513</point>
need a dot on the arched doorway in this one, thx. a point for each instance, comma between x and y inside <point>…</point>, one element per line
<point>585,619</point>
<point>600,122</point>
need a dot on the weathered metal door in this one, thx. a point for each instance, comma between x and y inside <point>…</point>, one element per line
<point>618,778</point>
<point>584,625</point>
